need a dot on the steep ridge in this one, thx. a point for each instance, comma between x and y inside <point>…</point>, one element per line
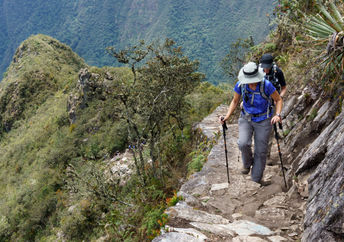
<point>213,210</point>
<point>41,67</point>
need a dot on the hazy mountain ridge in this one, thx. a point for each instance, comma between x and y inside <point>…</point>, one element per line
<point>204,28</point>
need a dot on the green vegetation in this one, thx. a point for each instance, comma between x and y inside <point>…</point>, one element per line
<point>58,138</point>
<point>200,154</point>
<point>307,44</point>
<point>328,22</point>
<point>41,67</point>
<point>154,101</point>
<point>205,29</point>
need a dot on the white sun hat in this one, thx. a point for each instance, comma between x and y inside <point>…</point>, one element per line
<point>250,73</point>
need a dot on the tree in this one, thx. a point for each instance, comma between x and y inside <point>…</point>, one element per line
<point>154,99</point>
<point>235,59</point>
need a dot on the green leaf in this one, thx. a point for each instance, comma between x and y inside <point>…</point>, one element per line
<point>328,18</point>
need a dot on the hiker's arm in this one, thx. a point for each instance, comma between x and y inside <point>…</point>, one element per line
<point>279,103</point>
<point>232,106</point>
<point>283,91</point>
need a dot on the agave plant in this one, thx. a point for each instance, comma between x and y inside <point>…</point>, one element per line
<point>327,27</point>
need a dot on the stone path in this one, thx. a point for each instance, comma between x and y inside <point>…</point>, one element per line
<point>213,210</point>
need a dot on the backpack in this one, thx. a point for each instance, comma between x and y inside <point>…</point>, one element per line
<point>274,79</point>
<point>262,93</point>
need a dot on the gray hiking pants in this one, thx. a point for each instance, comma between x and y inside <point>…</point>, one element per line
<point>261,132</point>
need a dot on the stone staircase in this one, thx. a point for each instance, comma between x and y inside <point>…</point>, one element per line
<point>213,210</point>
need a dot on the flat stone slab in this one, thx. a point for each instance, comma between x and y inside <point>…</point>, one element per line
<point>271,213</point>
<point>175,236</point>
<point>244,227</point>
<point>218,229</point>
<point>247,239</point>
<point>216,187</point>
<point>277,239</point>
<point>239,227</point>
<point>189,231</point>
<point>184,211</point>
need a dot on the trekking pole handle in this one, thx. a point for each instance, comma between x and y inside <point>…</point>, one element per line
<point>224,125</point>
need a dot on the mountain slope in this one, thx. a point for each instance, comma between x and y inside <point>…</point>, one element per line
<point>41,66</point>
<point>33,99</point>
<point>62,126</point>
<point>204,28</point>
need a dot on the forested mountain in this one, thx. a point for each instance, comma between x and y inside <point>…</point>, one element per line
<point>205,28</point>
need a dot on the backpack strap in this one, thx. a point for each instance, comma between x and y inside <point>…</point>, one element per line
<point>262,93</point>
<point>262,90</point>
<point>265,96</point>
<point>243,89</point>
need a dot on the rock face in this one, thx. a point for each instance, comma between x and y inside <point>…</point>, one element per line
<point>324,220</point>
<point>316,155</point>
<point>89,85</point>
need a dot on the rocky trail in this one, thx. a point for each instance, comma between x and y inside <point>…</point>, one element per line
<point>213,210</point>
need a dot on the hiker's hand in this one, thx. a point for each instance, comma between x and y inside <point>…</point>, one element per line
<point>276,118</point>
<point>221,120</point>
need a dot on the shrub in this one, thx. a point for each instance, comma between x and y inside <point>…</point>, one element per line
<point>153,221</point>
<point>173,200</point>
<point>196,164</point>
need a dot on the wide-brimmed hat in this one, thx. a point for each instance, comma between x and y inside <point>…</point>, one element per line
<point>266,61</point>
<point>250,73</point>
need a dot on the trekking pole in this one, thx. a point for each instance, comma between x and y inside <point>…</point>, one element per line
<point>281,128</point>
<point>280,154</point>
<point>224,127</point>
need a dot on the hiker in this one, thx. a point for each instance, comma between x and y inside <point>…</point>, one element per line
<point>276,77</point>
<point>273,74</point>
<point>256,118</point>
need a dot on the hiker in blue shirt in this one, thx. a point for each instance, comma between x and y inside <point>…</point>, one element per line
<point>256,118</point>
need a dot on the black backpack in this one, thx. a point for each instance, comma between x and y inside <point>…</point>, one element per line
<point>273,78</point>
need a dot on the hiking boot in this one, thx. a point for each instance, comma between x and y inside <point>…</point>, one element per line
<point>264,183</point>
<point>245,170</point>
